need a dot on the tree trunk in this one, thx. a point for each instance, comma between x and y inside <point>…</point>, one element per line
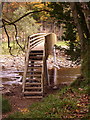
<point>85,43</point>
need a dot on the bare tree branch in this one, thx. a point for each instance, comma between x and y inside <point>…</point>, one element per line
<point>15,34</point>
<point>5,22</point>
<point>16,38</point>
<point>25,16</point>
<point>8,38</point>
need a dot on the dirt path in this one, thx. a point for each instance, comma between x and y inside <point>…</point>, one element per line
<point>18,102</point>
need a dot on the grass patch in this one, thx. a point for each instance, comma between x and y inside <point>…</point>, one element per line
<point>50,108</point>
<point>69,103</point>
<point>6,107</point>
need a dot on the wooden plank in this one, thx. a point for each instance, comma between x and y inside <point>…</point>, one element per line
<point>34,97</point>
<point>38,72</point>
<point>38,53</point>
<point>35,63</point>
<point>33,80</point>
<point>28,83</point>
<point>33,92</point>
<point>38,67</point>
<point>35,57</point>
<point>37,34</point>
<point>26,67</point>
<point>34,72</point>
<point>35,60</point>
<point>33,88</point>
<point>29,75</point>
<point>33,47</point>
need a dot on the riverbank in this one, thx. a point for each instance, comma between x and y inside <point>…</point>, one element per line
<point>12,67</point>
<point>67,103</point>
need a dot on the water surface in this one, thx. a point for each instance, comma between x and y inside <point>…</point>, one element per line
<point>63,75</point>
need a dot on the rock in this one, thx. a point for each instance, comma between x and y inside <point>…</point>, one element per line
<point>1,87</point>
<point>8,92</point>
<point>3,67</point>
<point>55,87</point>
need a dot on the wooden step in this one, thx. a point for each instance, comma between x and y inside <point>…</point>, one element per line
<point>35,56</point>
<point>35,60</point>
<point>39,58</point>
<point>33,80</point>
<point>35,63</point>
<point>39,79</point>
<point>34,83</point>
<point>33,92</point>
<point>29,88</point>
<point>36,51</point>
<point>34,97</point>
<point>35,67</point>
<point>33,75</point>
<point>31,71</point>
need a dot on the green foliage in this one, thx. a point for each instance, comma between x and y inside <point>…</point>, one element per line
<point>27,24</point>
<point>61,43</point>
<point>25,27</point>
<point>15,48</point>
<point>6,107</point>
<point>63,15</point>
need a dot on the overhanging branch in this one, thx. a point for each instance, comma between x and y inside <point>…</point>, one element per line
<point>8,35</point>
<point>8,38</point>
<point>16,37</point>
<point>25,16</point>
<point>5,23</point>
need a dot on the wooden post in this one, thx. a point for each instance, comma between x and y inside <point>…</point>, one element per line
<point>55,69</point>
<point>26,66</point>
<point>50,41</point>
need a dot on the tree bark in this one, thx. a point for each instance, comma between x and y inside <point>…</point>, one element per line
<point>85,42</point>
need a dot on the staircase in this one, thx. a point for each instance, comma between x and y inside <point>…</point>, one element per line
<point>33,83</point>
<point>35,76</point>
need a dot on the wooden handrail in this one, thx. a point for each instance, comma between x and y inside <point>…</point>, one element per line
<point>37,34</point>
<point>33,40</point>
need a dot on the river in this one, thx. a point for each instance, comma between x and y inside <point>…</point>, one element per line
<point>63,75</point>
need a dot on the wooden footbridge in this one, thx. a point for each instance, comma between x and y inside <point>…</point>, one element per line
<point>35,76</point>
